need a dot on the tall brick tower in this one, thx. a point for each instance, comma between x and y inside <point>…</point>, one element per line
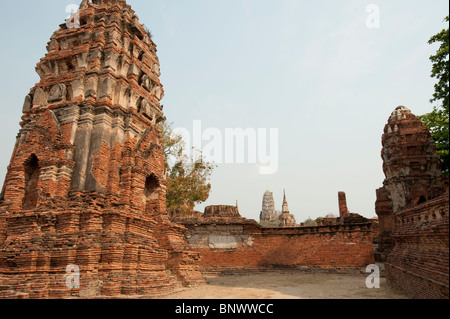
<point>86,182</point>
<point>412,170</point>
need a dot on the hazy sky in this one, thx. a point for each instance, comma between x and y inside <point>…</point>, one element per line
<point>312,69</point>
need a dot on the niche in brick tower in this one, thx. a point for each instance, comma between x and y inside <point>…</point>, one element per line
<point>151,194</point>
<point>32,170</point>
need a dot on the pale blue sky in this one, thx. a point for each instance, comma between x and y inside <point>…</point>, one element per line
<point>312,69</point>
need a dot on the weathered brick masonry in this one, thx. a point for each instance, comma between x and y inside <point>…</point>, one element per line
<point>419,262</point>
<point>86,185</point>
<point>413,207</point>
<point>239,244</point>
<point>412,170</point>
<point>86,182</point>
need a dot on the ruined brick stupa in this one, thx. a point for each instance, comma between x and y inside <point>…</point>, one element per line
<point>286,218</point>
<point>86,182</point>
<point>412,170</point>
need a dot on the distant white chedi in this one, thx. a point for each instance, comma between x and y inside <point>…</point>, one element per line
<point>268,212</point>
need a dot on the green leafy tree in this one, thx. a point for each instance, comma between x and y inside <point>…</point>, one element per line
<point>437,120</point>
<point>187,181</point>
<point>310,223</point>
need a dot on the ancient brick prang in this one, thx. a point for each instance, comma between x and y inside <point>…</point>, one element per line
<point>413,210</point>
<point>86,182</point>
<point>411,167</point>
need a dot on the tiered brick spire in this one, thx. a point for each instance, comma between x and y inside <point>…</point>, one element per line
<point>411,167</point>
<point>286,219</point>
<point>86,183</point>
<point>100,82</point>
<point>285,207</point>
<point>410,162</point>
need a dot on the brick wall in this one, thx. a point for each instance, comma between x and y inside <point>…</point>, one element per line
<point>117,254</point>
<point>247,246</point>
<point>419,262</point>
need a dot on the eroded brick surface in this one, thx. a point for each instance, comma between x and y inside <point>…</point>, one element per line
<point>412,170</point>
<point>234,243</point>
<point>419,262</point>
<point>413,209</point>
<point>86,182</point>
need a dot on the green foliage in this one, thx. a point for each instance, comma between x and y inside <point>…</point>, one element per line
<point>310,223</point>
<point>441,67</point>
<point>173,144</point>
<point>187,181</point>
<point>438,120</point>
<point>188,185</point>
